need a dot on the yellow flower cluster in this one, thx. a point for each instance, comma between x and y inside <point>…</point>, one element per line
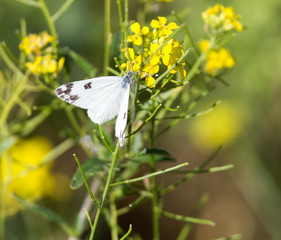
<point>219,16</point>
<point>147,62</point>
<point>216,59</point>
<point>40,53</point>
<point>22,174</point>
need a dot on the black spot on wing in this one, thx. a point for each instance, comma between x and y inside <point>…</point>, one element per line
<point>66,94</point>
<point>74,98</point>
<point>68,90</point>
<point>124,115</point>
<point>88,85</point>
<point>59,91</point>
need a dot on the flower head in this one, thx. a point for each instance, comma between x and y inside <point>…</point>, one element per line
<point>147,63</point>
<point>217,60</point>
<point>45,65</point>
<point>137,37</point>
<point>219,16</point>
<point>219,127</point>
<point>41,57</point>
<point>164,30</point>
<point>34,43</point>
<point>24,173</point>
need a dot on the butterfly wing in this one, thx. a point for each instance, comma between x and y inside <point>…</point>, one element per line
<point>121,121</point>
<point>101,96</point>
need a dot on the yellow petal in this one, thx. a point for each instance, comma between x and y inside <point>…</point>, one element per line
<point>154,60</point>
<point>135,27</point>
<point>145,30</point>
<point>173,25</point>
<point>138,41</point>
<point>150,81</point>
<point>162,20</point>
<point>154,24</point>
<point>60,63</point>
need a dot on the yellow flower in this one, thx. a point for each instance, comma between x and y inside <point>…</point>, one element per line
<point>220,16</point>
<point>45,65</point>
<point>22,173</point>
<point>164,30</point>
<point>172,52</point>
<point>204,45</point>
<point>34,43</point>
<point>138,33</point>
<point>147,63</point>
<point>217,60</point>
<point>154,54</point>
<point>219,127</point>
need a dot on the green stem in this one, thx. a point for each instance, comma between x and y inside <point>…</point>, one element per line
<point>198,62</point>
<point>9,63</point>
<point>113,218</point>
<point>73,120</point>
<point>107,185</point>
<point>155,210</point>
<point>156,174</point>
<point>107,35</point>
<point>122,26</point>
<point>188,219</point>
<point>62,9</point>
<point>49,21</point>
<point>104,140</point>
<point>128,233</point>
<point>12,101</point>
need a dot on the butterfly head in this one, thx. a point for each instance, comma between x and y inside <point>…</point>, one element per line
<point>127,79</point>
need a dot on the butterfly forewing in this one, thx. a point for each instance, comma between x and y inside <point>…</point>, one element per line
<point>101,96</point>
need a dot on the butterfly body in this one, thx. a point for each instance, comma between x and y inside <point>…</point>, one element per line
<point>103,97</point>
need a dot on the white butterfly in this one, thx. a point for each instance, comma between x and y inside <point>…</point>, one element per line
<point>104,97</point>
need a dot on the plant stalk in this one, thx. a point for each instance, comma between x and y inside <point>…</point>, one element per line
<point>106,188</point>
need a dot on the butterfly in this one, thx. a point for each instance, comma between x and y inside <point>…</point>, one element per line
<point>103,97</point>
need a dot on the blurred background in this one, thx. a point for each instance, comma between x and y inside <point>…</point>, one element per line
<point>246,199</point>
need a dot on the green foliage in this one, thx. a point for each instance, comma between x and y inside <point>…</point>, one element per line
<point>169,80</point>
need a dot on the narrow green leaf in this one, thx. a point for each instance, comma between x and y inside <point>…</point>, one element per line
<point>159,155</point>
<point>85,180</point>
<point>90,167</point>
<point>82,63</point>
<point>47,214</point>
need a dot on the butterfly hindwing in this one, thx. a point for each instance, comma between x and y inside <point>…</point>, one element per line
<point>121,121</point>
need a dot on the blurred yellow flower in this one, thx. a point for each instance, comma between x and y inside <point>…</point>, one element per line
<point>22,173</point>
<point>219,16</point>
<point>34,43</point>
<point>219,127</point>
<point>204,45</point>
<point>42,59</point>
<point>217,60</point>
<point>45,65</point>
